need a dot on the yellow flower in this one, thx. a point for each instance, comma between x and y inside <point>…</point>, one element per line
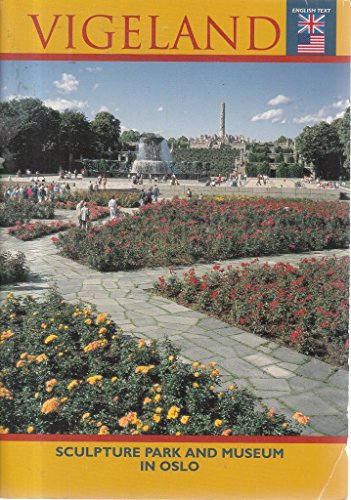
<point>141,343</point>
<point>212,387</point>
<point>50,406</point>
<point>85,416</point>
<point>113,379</point>
<point>102,330</point>
<point>156,418</point>
<point>218,422</point>
<point>10,295</point>
<point>5,393</point>
<point>99,424</point>
<point>66,327</point>
<point>60,354</point>
<point>231,387</point>
<point>20,363</point>
<point>215,373</point>
<point>63,400</point>
<point>157,398</point>
<point>144,370</point>
<point>12,316</point>
<point>50,338</point>
<point>301,418</point>
<point>170,358</point>
<point>197,374</point>
<point>44,326</point>
<point>131,418</point>
<point>95,378</point>
<point>4,430</point>
<point>103,430</point>
<point>173,413</point>
<point>196,385</point>
<point>145,428</point>
<point>196,364</point>
<point>285,425</point>
<point>72,385</point>
<point>88,321</point>
<point>184,419</point>
<point>147,400</point>
<point>178,433</point>
<point>41,357</point>
<point>36,395</point>
<point>212,364</point>
<point>24,355</point>
<point>203,367</point>
<point>30,429</point>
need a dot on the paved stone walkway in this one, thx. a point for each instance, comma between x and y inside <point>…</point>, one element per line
<point>285,379</point>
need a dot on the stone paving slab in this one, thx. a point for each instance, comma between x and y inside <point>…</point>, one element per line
<point>284,378</point>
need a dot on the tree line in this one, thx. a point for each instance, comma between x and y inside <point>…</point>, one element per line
<point>36,137</point>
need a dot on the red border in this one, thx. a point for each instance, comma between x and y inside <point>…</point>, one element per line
<point>172,58</point>
<point>177,439</point>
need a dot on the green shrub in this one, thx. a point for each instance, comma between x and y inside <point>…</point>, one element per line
<point>12,267</point>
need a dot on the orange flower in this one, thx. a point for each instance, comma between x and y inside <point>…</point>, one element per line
<point>141,343</point>
<point>144,370</point>
<point>50,406</point>
<point>100,318</point>
<point>41,357</point>
<point>93,379</point>
<point>227,432</point>
<point>131,418</point>
<point>301,418</point>
<point>50,384</point>
<point>95,345</point>
<point>271,413</point>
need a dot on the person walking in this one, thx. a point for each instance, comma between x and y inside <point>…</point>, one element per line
<point>104,182</point>
<point>189,194</point>
<point>156,193</point>
<point>85,216</point>
<point>78,213</point>
<point>112,205</point>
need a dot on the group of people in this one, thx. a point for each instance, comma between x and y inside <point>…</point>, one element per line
<point>83,215</point>
<point>100,183</point>
<point>38,192</point>
<point>152,194</point>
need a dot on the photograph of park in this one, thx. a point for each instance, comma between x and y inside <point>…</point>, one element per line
<point>174,248</point>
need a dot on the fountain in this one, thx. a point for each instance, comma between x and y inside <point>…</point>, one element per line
<point>153,157</point>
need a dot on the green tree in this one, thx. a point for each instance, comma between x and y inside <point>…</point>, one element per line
<point>106,129</point>
<point>35,145</point>
<point>130,136</point>
<point>75,136</point>
<point>344,136</point>
<point>320,146</point>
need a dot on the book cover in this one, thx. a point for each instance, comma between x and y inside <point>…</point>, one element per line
<point>174,212</point>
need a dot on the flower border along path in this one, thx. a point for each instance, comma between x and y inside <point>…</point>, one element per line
<point>286,380</point>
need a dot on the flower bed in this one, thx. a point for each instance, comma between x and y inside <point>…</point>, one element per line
<point>183,232</point>
<point>96,211</point>
<point>36,230</point>
<point>12,267</point>
<point>67,369</point>
<point>14,210</point>
<point>303,307</point>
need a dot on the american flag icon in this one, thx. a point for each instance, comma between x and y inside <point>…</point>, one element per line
<point>311,34</point>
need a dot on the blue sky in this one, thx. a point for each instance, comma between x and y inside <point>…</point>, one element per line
<point>263,101</point>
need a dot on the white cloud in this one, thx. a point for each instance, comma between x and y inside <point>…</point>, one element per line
<point>17,97</point>
<point>104,108</point>
<point>268,115</point>
<point>325,114</point>
<point>279,99</point>
<point>96,86</point>
<point>62,104</point>
<point>95,69</point>
<point>341,104</point>
<point>67,84</point>
<point>160,108</point>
